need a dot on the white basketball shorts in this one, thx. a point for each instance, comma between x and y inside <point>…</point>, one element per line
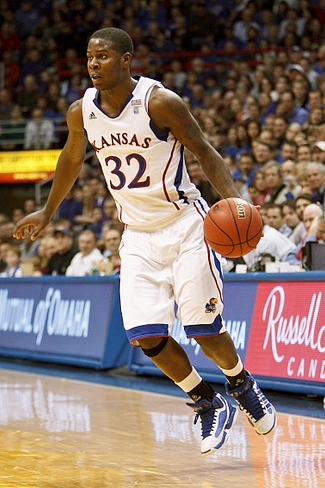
<point>171,269</point>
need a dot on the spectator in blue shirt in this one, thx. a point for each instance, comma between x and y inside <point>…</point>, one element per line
<point>288,108</point>
<point>70,207</point>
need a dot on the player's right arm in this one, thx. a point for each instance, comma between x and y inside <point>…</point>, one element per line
<point>69,164</point>
<point>169,112</point>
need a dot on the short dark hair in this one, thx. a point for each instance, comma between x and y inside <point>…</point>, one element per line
<point>289,142</point>
<point>288,203</point>
<point>121,41</point>
<point>305,196</point>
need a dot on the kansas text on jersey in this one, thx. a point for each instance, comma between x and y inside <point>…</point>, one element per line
<point>143,166</point>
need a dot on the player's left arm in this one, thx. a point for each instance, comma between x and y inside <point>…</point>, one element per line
<point>169,112</point>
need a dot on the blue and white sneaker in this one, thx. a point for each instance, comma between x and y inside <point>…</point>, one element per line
<point>252,401</point>
<point>217,417</point>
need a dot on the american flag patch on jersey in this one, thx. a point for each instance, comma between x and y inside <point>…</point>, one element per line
<point>137,101</point>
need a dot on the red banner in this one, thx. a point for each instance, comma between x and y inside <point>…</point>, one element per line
<point>287,336</point>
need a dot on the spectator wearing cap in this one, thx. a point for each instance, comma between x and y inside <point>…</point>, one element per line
<point>318,152</point>
<point>65,251</point>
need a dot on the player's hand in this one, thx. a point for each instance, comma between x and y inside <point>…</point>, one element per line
<point>33,224</point>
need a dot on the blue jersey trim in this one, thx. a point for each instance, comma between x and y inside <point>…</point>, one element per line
<point>218,265</point>
<point>146,331</point>
<point>204,330</point>
<point>179,176</point>
<point>162,135</point>
<point>95,101</point>
<point>202,207</point>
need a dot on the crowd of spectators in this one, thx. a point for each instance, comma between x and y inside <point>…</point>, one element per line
<point>251,71</point>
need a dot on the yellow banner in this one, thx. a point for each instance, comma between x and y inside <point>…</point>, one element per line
<point>29,161</point>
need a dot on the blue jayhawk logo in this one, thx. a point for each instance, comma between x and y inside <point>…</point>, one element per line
<point>211,306</point>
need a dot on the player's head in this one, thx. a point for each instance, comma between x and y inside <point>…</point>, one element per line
<point>109,54</point>
<point>119,39</point>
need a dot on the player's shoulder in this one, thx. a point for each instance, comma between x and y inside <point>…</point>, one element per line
<point>76,106</point>
<point>74,115</point>
<point>162,97</point>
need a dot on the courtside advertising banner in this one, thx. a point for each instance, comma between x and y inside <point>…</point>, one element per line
<point>60,319</point>
<point>287,335</point>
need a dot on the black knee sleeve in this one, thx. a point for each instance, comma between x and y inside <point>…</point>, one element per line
<point>154,351</point>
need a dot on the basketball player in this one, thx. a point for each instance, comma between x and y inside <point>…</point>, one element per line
<point>139,130</point>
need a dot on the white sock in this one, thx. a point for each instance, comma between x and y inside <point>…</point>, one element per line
<point>234,371</point>
<point>190,382</point>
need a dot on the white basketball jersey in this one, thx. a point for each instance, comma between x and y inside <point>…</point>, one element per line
<point>143,166</point>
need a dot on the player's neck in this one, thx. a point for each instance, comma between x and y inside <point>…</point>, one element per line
<point>112,101</point>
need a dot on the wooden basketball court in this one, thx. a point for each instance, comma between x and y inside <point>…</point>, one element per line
<point>62,433</point>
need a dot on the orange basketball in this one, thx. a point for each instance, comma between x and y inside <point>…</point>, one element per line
<point>233,227</point>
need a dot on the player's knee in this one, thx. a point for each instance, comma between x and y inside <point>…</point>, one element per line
<point>153,351</point>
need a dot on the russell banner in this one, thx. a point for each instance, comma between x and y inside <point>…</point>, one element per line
<point>287,334</point>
